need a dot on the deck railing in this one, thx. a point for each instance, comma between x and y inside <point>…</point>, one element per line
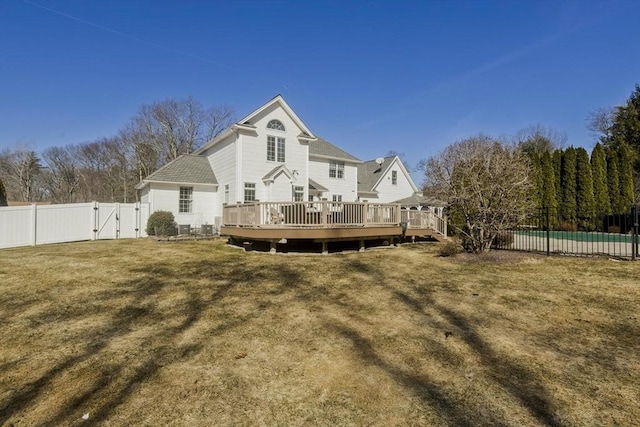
<point>326,214</point>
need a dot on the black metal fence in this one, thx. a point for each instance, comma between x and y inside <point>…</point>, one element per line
<point>546,231</point>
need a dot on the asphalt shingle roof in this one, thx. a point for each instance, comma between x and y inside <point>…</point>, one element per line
<point>187,168</point>
<point>419,199</point>
<point>370,172</point>
<point>321,147</point>
<point>313,185</point>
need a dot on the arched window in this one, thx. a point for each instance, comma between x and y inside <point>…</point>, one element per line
<point>275,124</point>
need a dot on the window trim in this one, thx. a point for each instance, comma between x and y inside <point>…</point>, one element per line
<point>336,169</point>
<point>276,149</point>
<point>185,200</point>
<point>298,190</point>
<point>277,125</point>
<point>394,177</point>
<point>251,187</point>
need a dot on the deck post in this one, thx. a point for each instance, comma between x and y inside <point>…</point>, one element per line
<point>365,213</point>
<point>444,226</point>
<point>272,247</point>
<point>257,220</point>
<point>361,245</point>
<point>325,213</point>
<point>325,248</point>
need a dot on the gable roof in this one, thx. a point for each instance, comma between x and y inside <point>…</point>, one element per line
<point>418,199</point>
<point>324,149</point>
<point>188,169</point>
<point>370,173</point>
<point>278,99</point>
<point>245,123</point>
<point>273,173</point>
<point>315,186</point>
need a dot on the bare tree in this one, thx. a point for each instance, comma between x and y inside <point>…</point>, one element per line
<point>106,170</point>
<point>486,182</point>
<point>162,131</point>
<point>19,170</point>
<point>217,119</point>
<point>600,123</point>
<point>62,177</point>
<point>538,139</point>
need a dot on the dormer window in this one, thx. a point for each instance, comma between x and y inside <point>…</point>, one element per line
<point>275,124</point>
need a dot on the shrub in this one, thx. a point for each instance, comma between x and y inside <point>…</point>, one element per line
<point>503,239</point>
<point>3,195</point>
<point>449,248</point>
<point>161,223</point>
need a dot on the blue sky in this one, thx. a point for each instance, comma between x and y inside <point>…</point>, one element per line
<point>368,76</point>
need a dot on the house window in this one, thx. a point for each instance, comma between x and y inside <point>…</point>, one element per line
<point>275,149</point>
<point>275,124</point>
<point>336,169</point>
<point>394,177</point>
<point>186,199</point>
<point>298,193</point>
<point>249,192</point>
<point>337,197</point>
<point>226,194</point>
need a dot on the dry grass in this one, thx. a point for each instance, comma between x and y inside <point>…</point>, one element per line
<point>196,333</point>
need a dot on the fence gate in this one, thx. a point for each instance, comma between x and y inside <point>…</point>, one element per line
<point>107,221</point>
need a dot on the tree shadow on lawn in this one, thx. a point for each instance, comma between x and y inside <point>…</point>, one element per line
<point>118,379</point>
<point>512,376</point>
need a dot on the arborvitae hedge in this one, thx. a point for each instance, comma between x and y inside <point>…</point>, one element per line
<point>549,196</point>
<point>536,178</point>
<point>626,177</point>
<point>613,179</point>
<point>585,204</point>
<point>599,173</point>
<point>568,180</point>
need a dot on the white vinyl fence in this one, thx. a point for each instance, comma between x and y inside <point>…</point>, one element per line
<point>42,224</point>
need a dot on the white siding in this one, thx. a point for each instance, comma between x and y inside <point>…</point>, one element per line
<point>165,197</point>
<point>347,187</point>
<point>254,154</point>
<point>387,192</point>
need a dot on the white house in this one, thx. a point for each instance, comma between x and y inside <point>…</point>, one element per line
<point>269,155</point>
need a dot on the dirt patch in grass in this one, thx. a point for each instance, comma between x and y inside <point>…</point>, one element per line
<point>197,333</point>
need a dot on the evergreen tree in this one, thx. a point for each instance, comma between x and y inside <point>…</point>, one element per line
<point>613,179</point>
<point>585,204</point>
<point>3,195</point>
<point>549,195</point>
<point>625,170</point>
<point>536,178</point>
<point>600,187</point>
<point>626,125</point>
<point>568,181</point>
<point>557,170</point>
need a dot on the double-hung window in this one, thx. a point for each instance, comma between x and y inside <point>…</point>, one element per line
<point>249,192</point>
<point>275,149</point>
<point>394,177</point>
<point>298,193</point>
<point>186,200</point>
<point>336,169</point>
<point>226,194</point>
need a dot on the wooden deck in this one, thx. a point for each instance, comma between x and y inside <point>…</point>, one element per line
<point>325,221</point>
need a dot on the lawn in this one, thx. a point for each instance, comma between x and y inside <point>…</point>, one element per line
<point>139,332</point>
